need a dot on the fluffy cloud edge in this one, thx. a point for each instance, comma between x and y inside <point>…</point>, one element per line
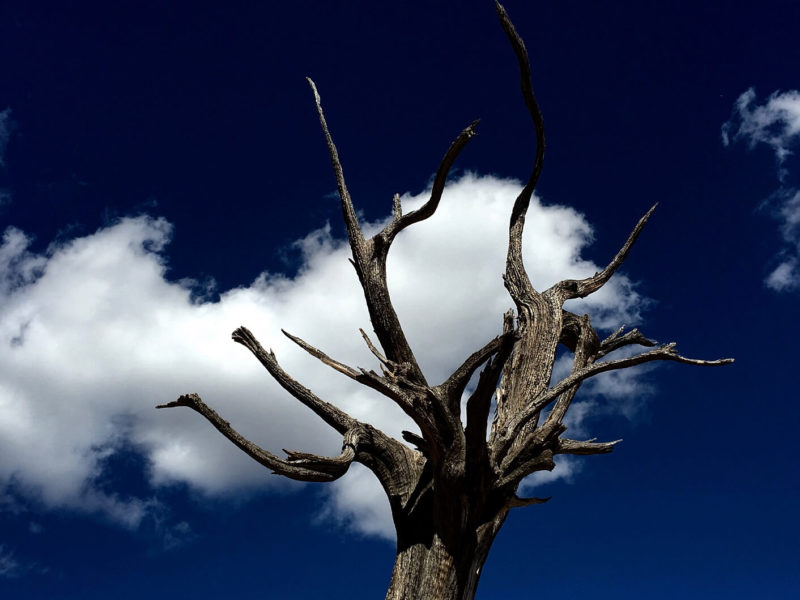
<point>776,124</point>
<point>94,335</point>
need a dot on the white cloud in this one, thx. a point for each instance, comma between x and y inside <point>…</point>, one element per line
<point>93,335</point>
<point>357,501</point>
<point>784,205</point>
<point>775,123</point>
<point>566,468</point>
<point>785,277</point>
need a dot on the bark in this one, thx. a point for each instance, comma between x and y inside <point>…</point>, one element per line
<point>450,494</point>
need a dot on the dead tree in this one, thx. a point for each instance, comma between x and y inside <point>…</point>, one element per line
<point>452,491</point>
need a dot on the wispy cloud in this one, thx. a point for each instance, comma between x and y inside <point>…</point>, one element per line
<point>9,565</point>
<point>93,335</point>
<point>12,567</point>
<point>5,133</point>
<point>775,123</point>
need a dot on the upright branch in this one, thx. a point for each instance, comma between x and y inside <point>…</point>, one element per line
<point>451,493</point>
<point>516,278</point>
<point>348,212</point>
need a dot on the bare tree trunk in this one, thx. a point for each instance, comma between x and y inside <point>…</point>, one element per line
<point>442,567</point>
<point>451,493</point>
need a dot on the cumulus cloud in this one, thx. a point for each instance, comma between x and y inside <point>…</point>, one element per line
<point>94,334</point>
<point>775,123</point>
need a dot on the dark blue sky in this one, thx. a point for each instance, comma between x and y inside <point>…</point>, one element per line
<point>199,113</point>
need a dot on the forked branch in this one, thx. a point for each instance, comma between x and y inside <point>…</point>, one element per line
<point>616,341</point>
<point>456,383</point>
<point>664,352</point>
<point>390,386</point>
<point>299,466</point>
<point>402,221</point>
<point>332,415</point>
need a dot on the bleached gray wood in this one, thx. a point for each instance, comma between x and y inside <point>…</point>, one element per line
<point>451,493</point>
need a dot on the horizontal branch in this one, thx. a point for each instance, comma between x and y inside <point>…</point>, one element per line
<point>517,502</point>
<point>574,288</point>
<point>664,352</point>
<point>332,415</point>
<point>300,466</point>
<point>585,448</point>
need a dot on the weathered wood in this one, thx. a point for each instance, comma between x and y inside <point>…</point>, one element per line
<point>451,494</point>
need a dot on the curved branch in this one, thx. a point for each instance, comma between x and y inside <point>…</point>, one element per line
<point>402,221</point>
<point>573,288</point>
<point>480,401</point>
<point>455,384</point>
<point>332,415</point>
<point>515,271</point>
<point>300,466</point>
<point>542,461</point>
<point>585,352</point>
<point>348,211</point>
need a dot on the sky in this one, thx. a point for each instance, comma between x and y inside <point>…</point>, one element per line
<point>163,180</point>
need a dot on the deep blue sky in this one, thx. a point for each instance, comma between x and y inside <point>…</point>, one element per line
<point>198,112</point>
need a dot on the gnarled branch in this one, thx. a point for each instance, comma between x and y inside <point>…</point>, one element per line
<point>390,386</point>
<point>299,466</point>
